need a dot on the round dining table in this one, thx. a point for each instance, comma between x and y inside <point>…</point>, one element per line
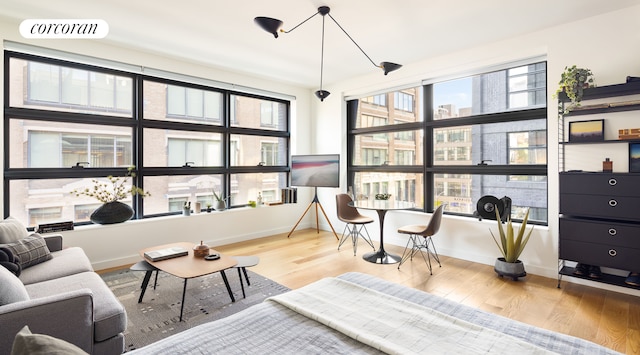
<point>381,207</point>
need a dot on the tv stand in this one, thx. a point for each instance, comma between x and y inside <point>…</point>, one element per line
<point>317,203</point>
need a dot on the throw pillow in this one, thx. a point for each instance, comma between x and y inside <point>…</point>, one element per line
<point>9,261</point>
<point>26,343</point>
<point>30,251</point>
<point>11,230</point>
<point>11,289</point>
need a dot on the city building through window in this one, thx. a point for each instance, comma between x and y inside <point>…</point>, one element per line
<point>482,135</point>
<point>70,124</point>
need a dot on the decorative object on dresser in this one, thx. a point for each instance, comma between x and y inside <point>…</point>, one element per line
<point>607,165</point>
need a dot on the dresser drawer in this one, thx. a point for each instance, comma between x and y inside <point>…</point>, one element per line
<point>600,206</point>
<point>600,184</point>
<point>618,234</point>
<point>600,254</point>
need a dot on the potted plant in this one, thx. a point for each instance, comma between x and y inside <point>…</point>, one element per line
<point>110,194</point>
<point>511,245</point>
<point>219,203</point>
<point>572,82</point>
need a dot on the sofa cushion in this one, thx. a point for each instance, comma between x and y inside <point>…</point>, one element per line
<point>109,315</point>
<point>30,250</point>
<point>9,261</point>
<point>11,289</point>
<point>65,262</point>
<point>12,230</point>
<point>26,343</point>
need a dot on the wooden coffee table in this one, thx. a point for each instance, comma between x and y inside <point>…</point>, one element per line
<point>188,267</point>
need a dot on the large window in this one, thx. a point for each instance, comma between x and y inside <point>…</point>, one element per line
<point>66,88</point>
<point>483,135</point>
<point>69,123</point>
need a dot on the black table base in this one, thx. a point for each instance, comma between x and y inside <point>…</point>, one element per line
<point>381,257</point>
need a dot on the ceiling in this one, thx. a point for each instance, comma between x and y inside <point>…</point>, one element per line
<point>222,34</point>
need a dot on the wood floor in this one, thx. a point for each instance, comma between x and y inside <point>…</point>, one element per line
<point>604,317</point>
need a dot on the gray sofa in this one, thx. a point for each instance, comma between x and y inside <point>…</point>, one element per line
<point>62,297</point>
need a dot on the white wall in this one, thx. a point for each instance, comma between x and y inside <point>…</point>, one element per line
<point>115,245</point>
<point>608,44</point>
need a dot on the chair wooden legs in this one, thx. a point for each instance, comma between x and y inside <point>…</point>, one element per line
<point>416,247</point>
<point>354,233</point>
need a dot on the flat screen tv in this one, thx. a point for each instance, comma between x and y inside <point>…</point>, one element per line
<point>321,170</point>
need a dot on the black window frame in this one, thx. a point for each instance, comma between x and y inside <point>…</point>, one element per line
<point>428,125</point>
<point>137,124</point>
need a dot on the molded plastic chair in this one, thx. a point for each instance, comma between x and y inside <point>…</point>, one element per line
<point>355,222</point>
<point>420,236</point>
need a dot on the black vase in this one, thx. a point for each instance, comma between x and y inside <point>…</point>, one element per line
<point>112,212</point>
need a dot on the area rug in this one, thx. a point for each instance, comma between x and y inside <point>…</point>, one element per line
<point>207,299</point>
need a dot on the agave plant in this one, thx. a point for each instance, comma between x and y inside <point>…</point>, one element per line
<point>511,245</point>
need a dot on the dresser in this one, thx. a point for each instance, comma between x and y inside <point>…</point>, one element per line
<point>600,221</point>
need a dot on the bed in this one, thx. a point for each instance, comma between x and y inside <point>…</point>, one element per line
<point>356,313</point>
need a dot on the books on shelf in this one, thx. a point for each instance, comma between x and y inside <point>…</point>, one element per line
<point>167,253</point>
<point>289,195</point>
<point>54,227</point>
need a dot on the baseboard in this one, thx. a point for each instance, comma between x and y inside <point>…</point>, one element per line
<point>124,261</point>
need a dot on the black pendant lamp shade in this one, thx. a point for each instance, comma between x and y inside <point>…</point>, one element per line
<point>269,24</point>
<point>322,94</point>
<point>273,26</point>
<point>388,67</point>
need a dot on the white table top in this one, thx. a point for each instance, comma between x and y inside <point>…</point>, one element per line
<point>390,204</point>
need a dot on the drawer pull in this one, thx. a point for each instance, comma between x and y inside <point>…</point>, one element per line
<point>613,203</point>
<point>612,231</point>
<point>613,182</point>
<point>613,252</point>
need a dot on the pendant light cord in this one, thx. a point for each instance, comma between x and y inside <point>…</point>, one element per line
<point>322,54</point>
<point>352,40</point>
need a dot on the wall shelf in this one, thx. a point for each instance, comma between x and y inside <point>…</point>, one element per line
<point>606,278</point>
<point>598,224</point>
<point>608,141</point>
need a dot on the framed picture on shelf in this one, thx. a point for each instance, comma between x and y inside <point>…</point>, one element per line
<point>634,157</point>
<point>586,131</point>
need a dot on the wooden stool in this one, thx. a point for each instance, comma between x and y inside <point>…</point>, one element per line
<point>149,269</point>
<point>243,263</point>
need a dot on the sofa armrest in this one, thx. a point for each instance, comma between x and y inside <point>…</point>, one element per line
<point>54,241</point>
<point>67,316</point>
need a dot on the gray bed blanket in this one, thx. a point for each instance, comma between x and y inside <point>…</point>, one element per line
<point>270,328</point>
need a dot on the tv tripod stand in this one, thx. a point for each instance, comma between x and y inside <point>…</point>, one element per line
<point>317,203</point>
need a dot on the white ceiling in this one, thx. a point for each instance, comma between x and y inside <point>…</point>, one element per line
<point>222,34</point>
